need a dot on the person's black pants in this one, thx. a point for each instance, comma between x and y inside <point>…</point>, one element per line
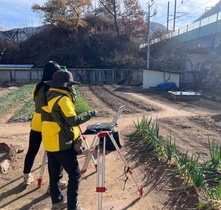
<point>68,160</point>
<point>33,148</point>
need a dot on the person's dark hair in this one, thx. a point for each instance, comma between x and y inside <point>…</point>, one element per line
<point>48,71</point>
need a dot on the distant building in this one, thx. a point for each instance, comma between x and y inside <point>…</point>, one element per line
<point>152,78</point>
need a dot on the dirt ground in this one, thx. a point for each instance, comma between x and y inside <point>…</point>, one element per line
<point>190,124</point>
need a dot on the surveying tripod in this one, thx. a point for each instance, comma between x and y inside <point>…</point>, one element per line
<point>44,160</point>
<point>99,144</point>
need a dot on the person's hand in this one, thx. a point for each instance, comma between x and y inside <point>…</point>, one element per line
<point>78,146</point>
<point>73,93</point>
<point>94,113</point>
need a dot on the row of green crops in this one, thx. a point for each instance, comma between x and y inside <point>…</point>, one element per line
<point>15,97</point>
<point>22,95</point>
<point>203,176</point>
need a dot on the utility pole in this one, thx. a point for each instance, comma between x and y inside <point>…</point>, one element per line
<point>148,34</point>
<point>148,38</point>
<point>168,15</point>
<point>174,20</point>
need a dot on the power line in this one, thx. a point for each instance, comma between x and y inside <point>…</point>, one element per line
<point>183,15</point>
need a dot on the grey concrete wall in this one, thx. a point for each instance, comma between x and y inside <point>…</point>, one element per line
<point>93,76</point>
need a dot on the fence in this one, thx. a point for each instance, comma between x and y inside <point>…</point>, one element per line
<point>89,76</point>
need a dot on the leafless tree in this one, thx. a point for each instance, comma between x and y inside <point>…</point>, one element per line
<point>113,8</point>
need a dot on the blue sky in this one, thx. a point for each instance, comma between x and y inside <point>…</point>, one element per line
<point>18,13</point>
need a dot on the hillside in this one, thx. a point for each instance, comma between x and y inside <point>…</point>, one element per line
<point>20,34</point>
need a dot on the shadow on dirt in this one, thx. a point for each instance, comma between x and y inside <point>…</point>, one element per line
<point>131,204</point>
<point>35,202</point>
<point>18,189</point>
<point>217,118</point>
<point>19,192</point>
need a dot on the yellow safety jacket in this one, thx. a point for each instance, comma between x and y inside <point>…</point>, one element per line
<point>59,120</point>
<point>36,119</point>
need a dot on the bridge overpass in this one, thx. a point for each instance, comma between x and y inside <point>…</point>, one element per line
<point>197,40</point>
<point>199,36</point>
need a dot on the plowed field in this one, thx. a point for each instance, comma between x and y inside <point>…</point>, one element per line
<point>190,124</point>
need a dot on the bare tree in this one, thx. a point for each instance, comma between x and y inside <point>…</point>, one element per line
<point>113,8</point>
<point>12,35</point>
<point>193,69</point>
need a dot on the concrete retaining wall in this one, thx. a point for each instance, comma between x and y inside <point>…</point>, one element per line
<point>93,76</point>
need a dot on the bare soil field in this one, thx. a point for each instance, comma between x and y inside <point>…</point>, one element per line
<point>190,124</point>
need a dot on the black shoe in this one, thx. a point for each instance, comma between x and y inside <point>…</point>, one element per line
<point>60,205</point>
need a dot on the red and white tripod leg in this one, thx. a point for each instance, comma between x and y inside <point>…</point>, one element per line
<point>101,168</point>
<point>84,138</point>
<point>42,169</point>
<point>89,156</point>
<point>89,149</point>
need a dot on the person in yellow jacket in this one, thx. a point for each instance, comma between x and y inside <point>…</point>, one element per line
<point>60,133</point>
<point>35,135</point>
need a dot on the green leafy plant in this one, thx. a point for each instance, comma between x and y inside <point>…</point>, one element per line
<point>170,148</point>
<point>81,105</point>
<point>200,175</point>
<point>15,97</point>
<point>215,154</point>
<point>25,112</point>
<point>215,193</point>
<point>140,127</point>
<point>198,178</point>
<point>210,205</point>
<point>188,166</point>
